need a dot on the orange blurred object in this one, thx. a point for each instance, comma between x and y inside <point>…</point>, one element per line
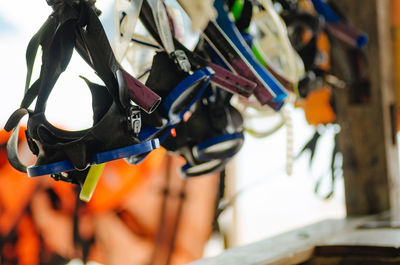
<point>324,47</point>
<point>317,107</point>
<point>119,178</point>
<point>28,245</point>
<point>165,220</point>
<point>16,188</point>
<point>395,7</point>
<point>138,214</point>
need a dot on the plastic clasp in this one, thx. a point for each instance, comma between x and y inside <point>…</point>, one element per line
<point>134,119</point>
<point>181,60</point>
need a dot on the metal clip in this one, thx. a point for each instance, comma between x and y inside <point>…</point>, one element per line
<point>63,176</point>
<point>181,60</point>
<point>335,81</point>
<point>134,119</point>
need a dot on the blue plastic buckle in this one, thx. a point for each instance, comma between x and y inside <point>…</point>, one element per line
<point>208,167</point>
<point>173,98</point>
<point>99,158</point>
<point>200,150</point>
<point>212,162</point>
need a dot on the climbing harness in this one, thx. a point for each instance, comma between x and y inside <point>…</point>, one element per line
<point>68,155</point>
<point>210,137</point>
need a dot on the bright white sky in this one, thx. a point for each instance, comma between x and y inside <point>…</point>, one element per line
<point>273,203</point>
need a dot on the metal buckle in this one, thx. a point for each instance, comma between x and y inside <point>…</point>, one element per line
<point>134,119</point>
<point>181,60</point>
<point>62,176</point>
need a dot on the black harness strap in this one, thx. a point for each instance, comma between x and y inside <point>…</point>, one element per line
<point>74,24</point>
<point>224,78</point>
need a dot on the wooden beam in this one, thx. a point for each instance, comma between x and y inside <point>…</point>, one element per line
<point>293,247</point>
<point>367,139</point>
<point>375,243</point>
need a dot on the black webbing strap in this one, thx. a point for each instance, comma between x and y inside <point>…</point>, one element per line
<point>73,24</point>
<point>223,78</point>
<point>147,18</point>
<point>92,44</point>
<point>54,63</point>
<point>92,38</point>
<point>12,144</point>
<point>295,20</point>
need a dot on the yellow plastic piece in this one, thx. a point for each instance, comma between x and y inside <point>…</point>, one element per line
<point>91,181</point>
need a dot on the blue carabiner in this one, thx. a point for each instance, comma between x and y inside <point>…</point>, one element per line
<point>208,167</point>
<point>201,153</point>
<point>173,98</point>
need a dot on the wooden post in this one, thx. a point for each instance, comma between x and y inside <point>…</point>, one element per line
<point>368,131</point>
<point>395,18</point>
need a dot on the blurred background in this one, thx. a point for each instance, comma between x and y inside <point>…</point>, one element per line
<point>263,199</point>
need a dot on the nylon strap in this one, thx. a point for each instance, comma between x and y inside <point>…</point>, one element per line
<point>223,78</point>
<point>12,144</point>
<point>162,23</point>
<point>58,36</point>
